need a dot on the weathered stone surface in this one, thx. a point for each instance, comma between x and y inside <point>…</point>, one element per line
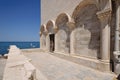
<point>51,9</point>
<point>82,40</point>
<point>18,66</point>
<point>43,41</point>
<point>90,38</point>
<point>55,68</point>
<point>61,37</point>
<point>2,67</point>
<point>93,44</point>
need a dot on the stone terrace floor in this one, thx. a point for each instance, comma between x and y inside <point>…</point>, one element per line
<point>2,66</point>
<point>54,68</point>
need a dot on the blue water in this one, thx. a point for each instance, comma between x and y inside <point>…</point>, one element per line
<point>4,46</point>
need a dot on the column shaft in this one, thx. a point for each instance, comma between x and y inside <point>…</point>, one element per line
<point>104,17</point>
<point>117,28</point>
<point>105,46</point>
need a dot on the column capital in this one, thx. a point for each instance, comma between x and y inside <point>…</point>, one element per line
<point>104,14</point>
<point>55,30</point>
<point>43,33</point>
<point>46,33</point>
<point>71,25</point>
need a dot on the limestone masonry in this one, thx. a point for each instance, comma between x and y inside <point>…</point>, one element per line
<point>86,30</point>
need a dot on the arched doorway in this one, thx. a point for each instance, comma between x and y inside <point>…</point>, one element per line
<point>52,42</point>
<point>50,38</point>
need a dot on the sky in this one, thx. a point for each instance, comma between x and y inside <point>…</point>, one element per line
<point>19,20</point>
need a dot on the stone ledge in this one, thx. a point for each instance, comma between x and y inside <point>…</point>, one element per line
<point>91,63</point>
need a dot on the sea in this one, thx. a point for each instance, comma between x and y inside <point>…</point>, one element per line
<point>4,46</point>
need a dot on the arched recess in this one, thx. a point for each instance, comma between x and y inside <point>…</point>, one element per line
<point>84,3</point>
<point>105,4</point>
<point>43,37</point>
<point>50,38</point>
<point>85,37</point>
<point>62,37</point>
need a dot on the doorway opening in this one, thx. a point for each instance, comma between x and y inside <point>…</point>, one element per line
<point>52,42</point>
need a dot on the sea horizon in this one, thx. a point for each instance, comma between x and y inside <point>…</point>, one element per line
<point>19,41</point>
<point>4,46</point>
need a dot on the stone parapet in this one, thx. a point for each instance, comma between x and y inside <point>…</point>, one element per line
<point>18,67</point>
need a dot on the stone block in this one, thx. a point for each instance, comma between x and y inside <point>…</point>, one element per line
<point>30,72</point>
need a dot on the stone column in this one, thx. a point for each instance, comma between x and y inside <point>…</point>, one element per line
<point>56,43</point>
<point>72,43</point>
<point>117,33</point>
<point>117,26</point>
<point>56,40</point>
<point>43,40</point>
<point>71,26</point>
<point>47,43</point>
<point>104,17</point>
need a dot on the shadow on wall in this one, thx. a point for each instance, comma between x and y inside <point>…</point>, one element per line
<point>61,21</point>
<point>87,17</point>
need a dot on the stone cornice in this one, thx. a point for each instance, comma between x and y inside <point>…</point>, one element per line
<point>71,25</point>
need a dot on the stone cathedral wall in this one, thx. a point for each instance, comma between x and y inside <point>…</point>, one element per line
<point>79,28</point>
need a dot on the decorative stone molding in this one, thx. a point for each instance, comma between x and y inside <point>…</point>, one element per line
<point>104,14</point>
<point>71,25</point>
<point>117,56</point>
<point>43,33</point>
<point>46,33</point>
<point>42,28</point>
<point>56,30</point>
<point>117,62</point>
